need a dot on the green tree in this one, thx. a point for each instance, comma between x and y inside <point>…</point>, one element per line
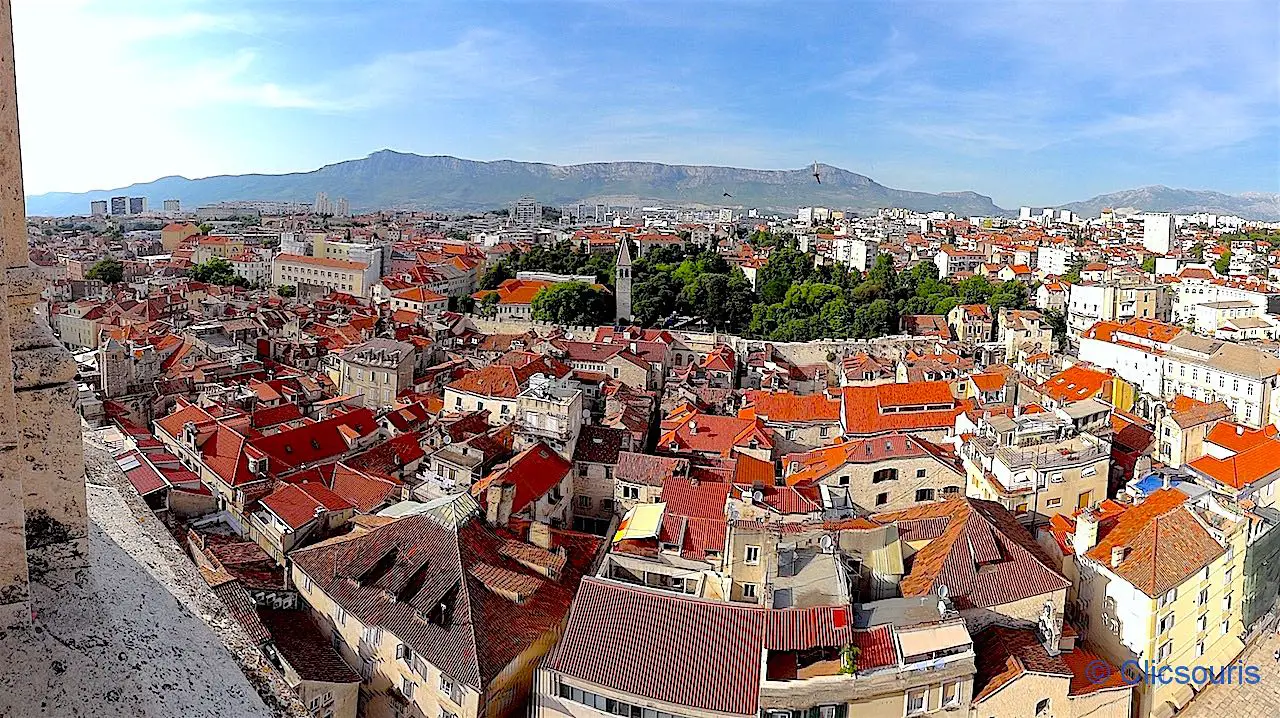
<point>106,270</point>
<point>1058,322</point>
<point>1223,263</point>
<point>205,228</point>
<point>495,275</point>
<point>1197,251</point>
<point>488,305</point>
<point>1149,264</point>
<point>572,303</point>
<point>217,270</point>
<point>1077,265</point>
<point>287,290</point>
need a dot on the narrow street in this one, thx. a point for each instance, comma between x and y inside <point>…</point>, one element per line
<point>1261,700</point>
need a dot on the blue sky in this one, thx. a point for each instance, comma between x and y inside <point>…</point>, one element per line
<point>1037,103</point>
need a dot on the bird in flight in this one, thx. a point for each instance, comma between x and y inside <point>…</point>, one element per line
<point>816,175</point>
<point>726,194</point>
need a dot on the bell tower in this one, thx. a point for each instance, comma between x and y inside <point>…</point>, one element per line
<point>622,281</point>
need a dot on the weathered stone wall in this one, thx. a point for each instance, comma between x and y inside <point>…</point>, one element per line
<point>41,459</point>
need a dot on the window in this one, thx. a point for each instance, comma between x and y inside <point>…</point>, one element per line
<point>1168,598</point>
<point>1202,623</point>
<point>1165,650</point>
<point>1042,708</point>
<point>951,693</point>
<point>306,583</point>
<point>824,431</point>
<point>446,686</point>
<point>1203,598</point>
<point>924,494</point>
<point>1053,503</point>
<point>447,714</point>
<point>1226,602</point>
<point>949,490</point>
<point>882,499</point>
<point>1226,576</point>
<point>406,687</point>
<point>748,590</point>
<point>884,475</point>
<point>920,473</point>
<point>1226,626</point>
<point>843,480</point>
<point>752,555</point>
<point>405,653</point>
<point>915,700</point>
<point>341,615</point>
<point>1166,623</point>
<point>630,492</point>
<point>584,502</point>
<point>1199,648</point>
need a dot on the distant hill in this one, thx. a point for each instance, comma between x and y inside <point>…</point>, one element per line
<point>397,180</point>
<point>1158,198</point>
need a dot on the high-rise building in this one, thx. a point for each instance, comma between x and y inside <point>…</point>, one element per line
<point>119,205</point>
<point>1157,232</point>
<point>322,206</point>
<point>137,205</point>
<point>1024,214</point>
<point>622,281</point>
<point>526,212</point>
<point>98,208</point>
<point>342,208</point>
<point>172,205</point>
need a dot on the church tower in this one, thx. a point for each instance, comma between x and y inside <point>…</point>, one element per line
<point>622,281</point>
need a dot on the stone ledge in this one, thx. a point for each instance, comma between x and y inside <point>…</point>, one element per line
<point>137,632</point>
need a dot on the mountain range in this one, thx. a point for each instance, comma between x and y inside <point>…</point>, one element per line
<point>396,180</point>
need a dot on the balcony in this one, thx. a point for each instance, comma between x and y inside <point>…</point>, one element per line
<point>558,430</point>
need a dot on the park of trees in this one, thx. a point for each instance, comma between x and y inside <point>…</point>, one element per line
<point>793,300</point>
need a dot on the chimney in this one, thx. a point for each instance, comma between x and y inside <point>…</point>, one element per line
<point>693,425</point>
<point>1117,556</point>
<point>634,348</point>
<point>1239,430</point>
<point>540,535</point>
<point>498,500</point>
<point>1168,481</point>
<point>1086,535</point>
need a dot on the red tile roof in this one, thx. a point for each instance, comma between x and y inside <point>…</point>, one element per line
<point>533,472</point>
<point>299,504</point>
<point>1076,383</point>
<point>1235,437</point>
<point>786,407</point>
<point>871,410</point>
<point>711,434</point>
<point>977,549</point>
<point>306,650</point>
<point>398,577</point>
<point>1164,544</point>
<point>316,442</point>
<point>706,655</point>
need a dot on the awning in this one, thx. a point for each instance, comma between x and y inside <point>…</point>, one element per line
<point>924,641</point>
<point>641,522</point>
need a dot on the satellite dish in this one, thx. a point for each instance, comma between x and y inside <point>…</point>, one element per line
<point>732,511</point>
<point>757,496</point>
<point>826,543</point>
<point>943,591</point>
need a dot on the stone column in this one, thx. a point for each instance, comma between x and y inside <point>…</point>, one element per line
<point>46,462</point>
